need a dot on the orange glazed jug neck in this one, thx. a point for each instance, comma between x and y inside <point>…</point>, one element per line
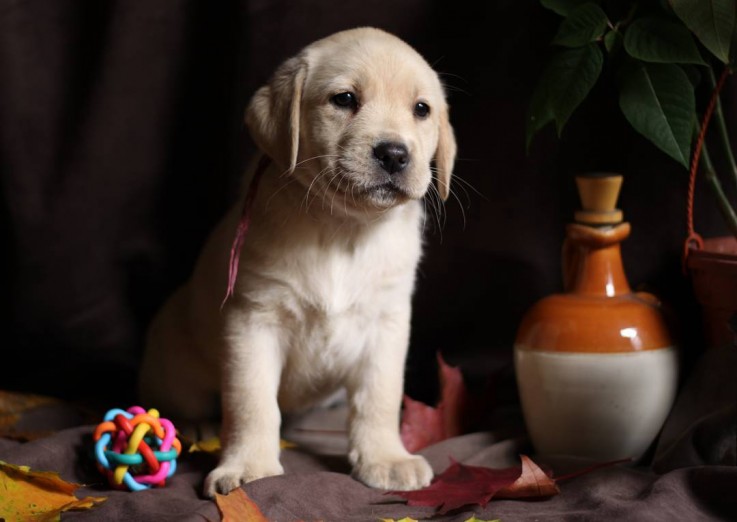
<point>592,260</point>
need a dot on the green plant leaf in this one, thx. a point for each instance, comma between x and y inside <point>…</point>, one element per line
<point>658,101</point>
<point>577,71</point>
<point>564,84</point>
<point>660,40</point>
<point>712,21</point>
<point>562,7</point>
<point>584,24</point>
<point>733,51</point>
<point>612,41</point>
<point>693,73</point>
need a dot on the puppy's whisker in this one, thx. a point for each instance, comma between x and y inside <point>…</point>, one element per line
<point>454,88</point>
<point>463,212</point>
<point>456,196</point>
<point>300,163</point>
<point>440,206</point>
<point>322,187</point>
<point>317,157</point>
<point>435,205</point>
<point>347,190</point>
<point>464,183</point>
<point>282,187</point>
<point>337,191</point>
<point>434,196</point>
<point>331,189</point>
<point>353,196</point>
<point>329,186</point>
<point>451,75</point>
<point>306,199</point>
<point>322,192</point>
<point>436,193</point>
<point>309,188</point>
<point>345,199</point>
<point>465,193</point>
<point>424,214</point>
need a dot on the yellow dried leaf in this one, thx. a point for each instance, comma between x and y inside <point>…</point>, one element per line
<point>37,495</point>
<point>237,506</point>
<point>285,444</point>
<point>212,445</point>
<point>405,519</point>
<point>474,519</point>
<point>12,404</point>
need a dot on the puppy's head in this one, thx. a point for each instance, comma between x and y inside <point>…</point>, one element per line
<point>359,116</point>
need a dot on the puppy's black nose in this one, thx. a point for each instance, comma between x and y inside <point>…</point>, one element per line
<point>392,156</point>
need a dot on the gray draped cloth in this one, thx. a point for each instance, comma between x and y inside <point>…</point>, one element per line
<point>693,475</point>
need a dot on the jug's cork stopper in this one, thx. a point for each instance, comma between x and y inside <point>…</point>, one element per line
<point>599,193</point>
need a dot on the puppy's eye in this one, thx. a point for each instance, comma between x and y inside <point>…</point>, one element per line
<point>345,99</point>
<point>422,110</point>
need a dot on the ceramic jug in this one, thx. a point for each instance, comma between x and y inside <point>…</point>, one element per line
<point>596,366</point>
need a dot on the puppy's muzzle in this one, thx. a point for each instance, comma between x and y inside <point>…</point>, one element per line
<point>392,156</point>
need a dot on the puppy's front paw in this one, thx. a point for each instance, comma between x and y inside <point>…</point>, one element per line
<point>401,474</point>
<point>225,479</point>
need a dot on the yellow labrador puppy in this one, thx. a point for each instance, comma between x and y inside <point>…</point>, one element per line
<point>322,299</point>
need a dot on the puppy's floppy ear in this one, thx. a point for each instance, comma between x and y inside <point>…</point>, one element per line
<point>445,155</point>
<point>273,115</point>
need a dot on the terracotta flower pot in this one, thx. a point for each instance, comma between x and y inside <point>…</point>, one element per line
<point>713,272</point>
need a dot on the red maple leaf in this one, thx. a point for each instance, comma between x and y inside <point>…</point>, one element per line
<point>423,425</point>
<point>533,482</point>
<point>460,485</point>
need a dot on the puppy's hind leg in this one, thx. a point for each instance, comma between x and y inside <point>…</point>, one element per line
<point>251,417</point>
<point>172,378</point>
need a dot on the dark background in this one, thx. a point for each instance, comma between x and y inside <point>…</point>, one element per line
<point>122,143</point>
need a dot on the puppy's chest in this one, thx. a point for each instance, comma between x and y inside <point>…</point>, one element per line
<point>335,310</point>
<point>335,293</point>
<point>345,286</point>
<point>349,282</point>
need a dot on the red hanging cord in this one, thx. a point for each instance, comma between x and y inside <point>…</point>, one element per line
<point>242,230</point>
<point>694,240</point>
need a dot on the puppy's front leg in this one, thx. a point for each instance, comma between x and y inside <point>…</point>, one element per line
<point>375,391</point>
<point>251,370</point>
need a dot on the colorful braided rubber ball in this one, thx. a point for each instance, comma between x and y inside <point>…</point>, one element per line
<point>136,449</point>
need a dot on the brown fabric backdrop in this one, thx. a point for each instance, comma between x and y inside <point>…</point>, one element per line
<point>121,143</point>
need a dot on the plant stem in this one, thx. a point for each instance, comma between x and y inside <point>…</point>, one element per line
<point>711,177</point>
<point>723,127</point>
